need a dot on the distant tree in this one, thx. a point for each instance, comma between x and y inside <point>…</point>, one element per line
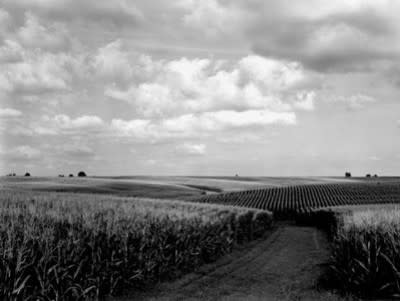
<point>13,174</point>
<point>71,175</point>
<point>27,174</point>
<point>375,175</point>
<point>368,175</point>
<point>61,176</point>
<point>81,174</point>
<point>347,174</point>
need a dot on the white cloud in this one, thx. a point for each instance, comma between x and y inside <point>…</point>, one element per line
<point>203,85</point>
<point>85,122</point>
<point>305,101</point>
<point>10,52</point>
<point>9,112</point>
<point>23,152</point>
<point>37,73</point>
<point>354,102</point>
<point>192,125</point>
<point>35,35</point>
<point>374,158</point>
<point>116,11</point>
<point>210,17</point>
<point>76,150</point>
<point>113,63</point>
<point>192,148</point>
<point>4,21</point>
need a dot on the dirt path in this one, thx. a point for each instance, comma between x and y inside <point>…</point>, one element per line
<point>284,266</point>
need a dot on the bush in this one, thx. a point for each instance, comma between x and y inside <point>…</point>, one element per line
<point>81,174</point>
<point>27,174</point>
<point>347,174</point>
<point>71,175</point>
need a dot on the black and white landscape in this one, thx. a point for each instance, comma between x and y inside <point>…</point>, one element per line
<point>199,150</point>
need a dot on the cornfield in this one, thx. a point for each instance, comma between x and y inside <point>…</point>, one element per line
<point>81,247</point>
<point>299,199</point>
<point>366,253</point>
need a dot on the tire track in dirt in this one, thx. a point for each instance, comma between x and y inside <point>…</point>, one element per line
<point>283,266</point>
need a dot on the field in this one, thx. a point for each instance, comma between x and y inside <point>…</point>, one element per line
<point>284,201</point>
<point>166,187</point>
<point>366,250</point>
<point>78,246</point>
<point>84,238</point>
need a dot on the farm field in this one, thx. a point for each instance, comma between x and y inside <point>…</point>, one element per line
<point>286,265</point>
<point>137,242</point>
<point>301,198</point>
<point>167,187</point>
<point>365,257</point>
<point>78,246</point>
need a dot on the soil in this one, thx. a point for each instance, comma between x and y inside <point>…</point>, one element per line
<point>285,265</point>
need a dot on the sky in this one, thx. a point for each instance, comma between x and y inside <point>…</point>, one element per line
<point>207,87</point>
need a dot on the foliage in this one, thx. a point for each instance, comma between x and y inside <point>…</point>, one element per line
<point>81,247</point>
<point>366,253</point>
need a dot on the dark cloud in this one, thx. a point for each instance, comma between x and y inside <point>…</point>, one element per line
<point>334,41</point>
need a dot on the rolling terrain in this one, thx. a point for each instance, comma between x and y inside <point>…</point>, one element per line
<point>302,198</point>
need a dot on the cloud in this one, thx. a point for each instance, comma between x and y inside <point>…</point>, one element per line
<point>5,18</point>
<point>9,113</point>
<point>192,148</point>
<point>349,35</point>
<point>62,124</point>
<point>176,87</point>
<point>374,158</point>
<point>85,122</point>
<point>10,52</point>
<point>112,62</point>
<point>192,125</point>
<point>35,35</point>
<point>113,12</point>
<point>37,73</point>
<point>210,17</point>
<point>354,102</point>
<point>79,151</point>
<point>305,101</point>
<point>22,152</point>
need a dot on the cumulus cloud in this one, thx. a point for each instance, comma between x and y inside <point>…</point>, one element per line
<point>114,12</point>
<point>34,34</point>
<point>4,21</point>
<point>9,112</point>
<point>192,148</point>
<point>191,125</point>
<point>210,17</point>
<point>112,62</point>
<point>37,73</point>
<point>10,52</point>
<point>62,124</point>
<point>354,102</point>
<point>85,122</point>
<point>348,35</point>
<point>305,100</point>
<point>79,151</point>
<point>22,152</point>
<point>203,85</point>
